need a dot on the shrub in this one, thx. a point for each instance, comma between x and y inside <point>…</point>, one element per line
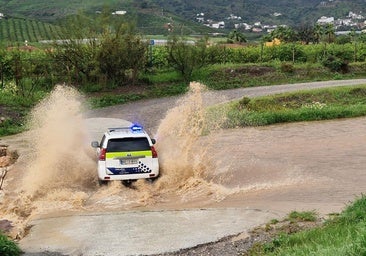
<point>243,103</point>
<point>287,67</point>
<point>336,64</point>
<point>8,247</point>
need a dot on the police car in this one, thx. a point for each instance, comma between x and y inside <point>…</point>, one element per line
<point>126,154</point>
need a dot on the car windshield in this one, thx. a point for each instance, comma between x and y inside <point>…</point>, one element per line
<point>128,144</point>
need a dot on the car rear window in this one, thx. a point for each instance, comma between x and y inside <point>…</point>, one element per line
<point>128,144</point>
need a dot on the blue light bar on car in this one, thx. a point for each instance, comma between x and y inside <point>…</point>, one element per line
<point>136,128</point>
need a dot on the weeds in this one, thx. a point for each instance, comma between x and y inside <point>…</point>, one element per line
<point>321,104</point>
<point>344,234</point>
<point>8,247</point>
<point>302,216</point>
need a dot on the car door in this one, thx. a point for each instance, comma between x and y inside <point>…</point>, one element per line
<point>129,155</point>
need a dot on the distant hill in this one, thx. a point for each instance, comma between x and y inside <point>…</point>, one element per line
<point>152,16</point>
<point>292,11</point>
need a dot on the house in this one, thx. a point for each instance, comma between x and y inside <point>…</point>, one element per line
<point>244,25</point>
<point>220,24</point>
<point>325,20</point>
<point>200,17</point>
<point>355,16</point>
<point>257,30</point>
<point>119,13</point>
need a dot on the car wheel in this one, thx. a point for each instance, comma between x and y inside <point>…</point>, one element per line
<point>128,183</point>
<point>152,180</point>
<point>102,182</point>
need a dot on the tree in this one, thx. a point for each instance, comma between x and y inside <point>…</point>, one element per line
<point>329,32</point>
<point>103,50</point>
<point>305,33</point>
<point>185,56</point>
<point>285,34</point>
<point>318,33</point>
<point>236,37</point>
<point>135,49</point>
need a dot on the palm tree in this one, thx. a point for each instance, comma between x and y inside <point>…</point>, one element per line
<point>330,32</point>
<point>318,33</point>
<point>285,34</point>
<point>237,37</point>
<point>305,33</point>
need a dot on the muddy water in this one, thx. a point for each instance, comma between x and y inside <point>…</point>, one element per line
<point>316,165</point>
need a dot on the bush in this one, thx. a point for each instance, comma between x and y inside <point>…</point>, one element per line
<point>336,64</point>
<point>8,247</point>
<point>287,67</point>
<point>243,102</point>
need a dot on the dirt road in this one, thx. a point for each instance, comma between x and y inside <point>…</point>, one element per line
<point>151,112</point>
<point>237,178</point>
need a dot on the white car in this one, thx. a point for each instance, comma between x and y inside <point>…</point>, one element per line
<point>126,154</point>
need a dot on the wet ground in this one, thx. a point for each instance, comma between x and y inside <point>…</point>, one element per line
<point>266,170</point>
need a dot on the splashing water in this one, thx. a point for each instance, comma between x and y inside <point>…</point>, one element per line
<point>60,169</point>
<point>183,149</point>
<point>60,144</point>
<point>61,174</point>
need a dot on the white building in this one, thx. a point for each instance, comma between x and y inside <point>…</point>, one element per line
<point>355,16</point>
<point>220,24</point>
<point>119,13</point>
<point>325,20</point>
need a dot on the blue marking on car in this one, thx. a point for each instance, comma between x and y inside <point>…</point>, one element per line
<point>131,170</point>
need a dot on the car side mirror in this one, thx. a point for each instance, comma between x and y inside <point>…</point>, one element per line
<point>153,141</point>
<point>95,144</point>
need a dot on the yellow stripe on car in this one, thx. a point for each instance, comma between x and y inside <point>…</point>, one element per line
<point>147,153</point>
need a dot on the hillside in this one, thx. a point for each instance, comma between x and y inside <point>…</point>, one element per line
<point>152,16</point>
<point>21,30</point>
<point>293,11</point>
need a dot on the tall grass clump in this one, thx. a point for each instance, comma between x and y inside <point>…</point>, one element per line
<point>342,235</point>
<point>8,247</point>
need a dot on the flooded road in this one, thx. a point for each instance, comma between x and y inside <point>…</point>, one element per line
<point>301,166</point>
<point>269,170</point>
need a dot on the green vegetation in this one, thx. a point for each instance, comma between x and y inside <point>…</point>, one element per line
<point>16,30</point>
<point>185,58</point>
<point>302,216</point>
<point>344,234</point>
<point>152,16</point>
<point>116,65</point>
<point>8,247</point>
<point>321,104</point>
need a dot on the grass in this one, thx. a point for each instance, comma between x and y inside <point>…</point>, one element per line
<point>152,92</point>
<point>8,247</point>
<point>302,216</point>
<point>262,111</point>
<point>344,234</point>
<point>14,110</point>
<point>229,76</point>
<point>320,104</point>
